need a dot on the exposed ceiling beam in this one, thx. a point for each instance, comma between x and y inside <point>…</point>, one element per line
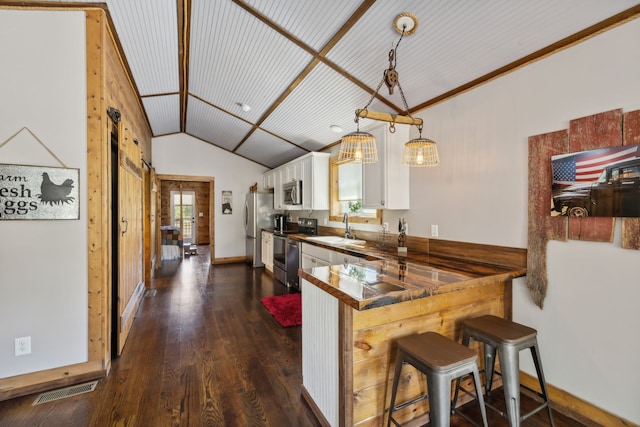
<point>184,31</point>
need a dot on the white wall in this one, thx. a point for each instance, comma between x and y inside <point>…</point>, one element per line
<point>43,263</point>
<point>182,154</point>
<point>588,328</point>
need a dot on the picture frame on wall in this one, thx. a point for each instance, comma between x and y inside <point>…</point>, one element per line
<point>227,205</point>
<point>599,183</point>
<point>39,192</point>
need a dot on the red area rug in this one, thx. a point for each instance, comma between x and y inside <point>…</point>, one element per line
<point>286,309</point>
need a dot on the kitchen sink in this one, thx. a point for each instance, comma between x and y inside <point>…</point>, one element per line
<point>337,240</point>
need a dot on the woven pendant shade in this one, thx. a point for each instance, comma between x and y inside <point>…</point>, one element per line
<point>358,147</point>
<point>420,152</point>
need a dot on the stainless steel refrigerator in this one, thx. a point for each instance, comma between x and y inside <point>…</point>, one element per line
<point>258,214</point>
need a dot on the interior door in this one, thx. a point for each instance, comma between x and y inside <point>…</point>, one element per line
<point>183,214</point>
<point>130,286</point>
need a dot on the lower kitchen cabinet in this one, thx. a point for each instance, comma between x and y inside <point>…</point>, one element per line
<point>267,250</point>
<point>316,256</point>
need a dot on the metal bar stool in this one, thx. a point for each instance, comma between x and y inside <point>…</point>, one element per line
<point>509,338</point>
<point>441,360</point>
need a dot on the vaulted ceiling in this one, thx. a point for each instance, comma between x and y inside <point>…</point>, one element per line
<point>304,65</point>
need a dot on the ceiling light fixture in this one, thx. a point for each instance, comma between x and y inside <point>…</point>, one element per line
<point>244,106</point>
<point>360,147</point>
<point>335,128</point>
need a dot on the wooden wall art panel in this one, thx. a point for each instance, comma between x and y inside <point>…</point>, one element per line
<point>631,135</point>
<point>601,130</point>
<point>542,226</point>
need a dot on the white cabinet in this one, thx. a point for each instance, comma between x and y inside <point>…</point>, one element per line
<point>309,261</point>
<point>293,171</point>
<point>314,168</point>
<point>278,195</point>
<point>267,250</point>
<point>313,171</point>
<point>317,256</point>
<point>268,180</point>
<point>340,258</point>
<point>385,184</point>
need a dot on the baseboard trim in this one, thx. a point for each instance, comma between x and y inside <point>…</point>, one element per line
<point>314,408</point>
<point>37,382</point>
<point>574,407</point>
<point>230,260</point>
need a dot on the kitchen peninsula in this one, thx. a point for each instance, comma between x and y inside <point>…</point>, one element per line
<point>353,313</point>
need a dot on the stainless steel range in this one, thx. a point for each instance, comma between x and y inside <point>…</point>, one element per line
<point>286,252</point>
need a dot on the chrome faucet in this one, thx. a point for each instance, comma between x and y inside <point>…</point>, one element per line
<point>347,230</point>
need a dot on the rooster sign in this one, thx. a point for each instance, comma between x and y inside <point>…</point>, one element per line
<point>36,192</point>
<point>55,193</point>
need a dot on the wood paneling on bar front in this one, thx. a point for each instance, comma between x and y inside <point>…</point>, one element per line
<point>369,347</point>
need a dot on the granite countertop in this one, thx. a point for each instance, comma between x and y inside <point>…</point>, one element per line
<point>387,278</point>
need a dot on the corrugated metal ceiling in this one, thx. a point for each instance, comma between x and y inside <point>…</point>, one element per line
<point>303,65</point>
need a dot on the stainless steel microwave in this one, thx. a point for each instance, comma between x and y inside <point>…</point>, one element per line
<point>292,193</point>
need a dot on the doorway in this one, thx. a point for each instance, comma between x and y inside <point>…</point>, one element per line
<point>203,187</point>
<point>183,215</point>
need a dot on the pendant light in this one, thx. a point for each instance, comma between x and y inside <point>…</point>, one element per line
<point>360,147</point>
<point>420,152</point>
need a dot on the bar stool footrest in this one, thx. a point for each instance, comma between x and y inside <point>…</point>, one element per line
<point>455,411</point>
<point>410,402</point>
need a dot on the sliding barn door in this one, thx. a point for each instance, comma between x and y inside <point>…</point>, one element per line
<point>130,242</point>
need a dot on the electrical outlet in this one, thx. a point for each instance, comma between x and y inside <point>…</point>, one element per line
<point>385,226</point>
<point>434,230</point>
<point>23,346</point>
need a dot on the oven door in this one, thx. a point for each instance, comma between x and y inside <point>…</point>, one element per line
<point>279,251</point>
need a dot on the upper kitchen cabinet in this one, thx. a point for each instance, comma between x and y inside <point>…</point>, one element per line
<point>385,184</point>
<point>312,170</point>
<point>315,181</point>
<point>269,180</point>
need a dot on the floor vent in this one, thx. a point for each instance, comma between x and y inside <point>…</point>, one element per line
<point>75,390</point>
<point>151,293</point>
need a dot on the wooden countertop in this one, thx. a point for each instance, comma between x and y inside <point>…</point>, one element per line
<point>386,278</point>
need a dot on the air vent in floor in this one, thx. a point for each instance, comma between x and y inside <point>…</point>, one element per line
<point>50,396</point>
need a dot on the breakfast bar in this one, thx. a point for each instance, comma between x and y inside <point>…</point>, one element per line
<point>353,314</point>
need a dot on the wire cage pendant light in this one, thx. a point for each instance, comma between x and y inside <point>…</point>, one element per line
<point>360,147</point>
<point>420,152</point>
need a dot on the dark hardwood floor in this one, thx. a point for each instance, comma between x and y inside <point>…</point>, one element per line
<point>203,351</point>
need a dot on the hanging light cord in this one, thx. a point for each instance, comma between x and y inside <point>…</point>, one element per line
<point>393,57</point>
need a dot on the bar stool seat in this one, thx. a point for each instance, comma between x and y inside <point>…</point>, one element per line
<point>441,360</point>
<point>508,338</point>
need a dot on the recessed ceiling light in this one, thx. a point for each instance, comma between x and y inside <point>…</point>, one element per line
<point>244,106</point>
<point>335,128</point>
